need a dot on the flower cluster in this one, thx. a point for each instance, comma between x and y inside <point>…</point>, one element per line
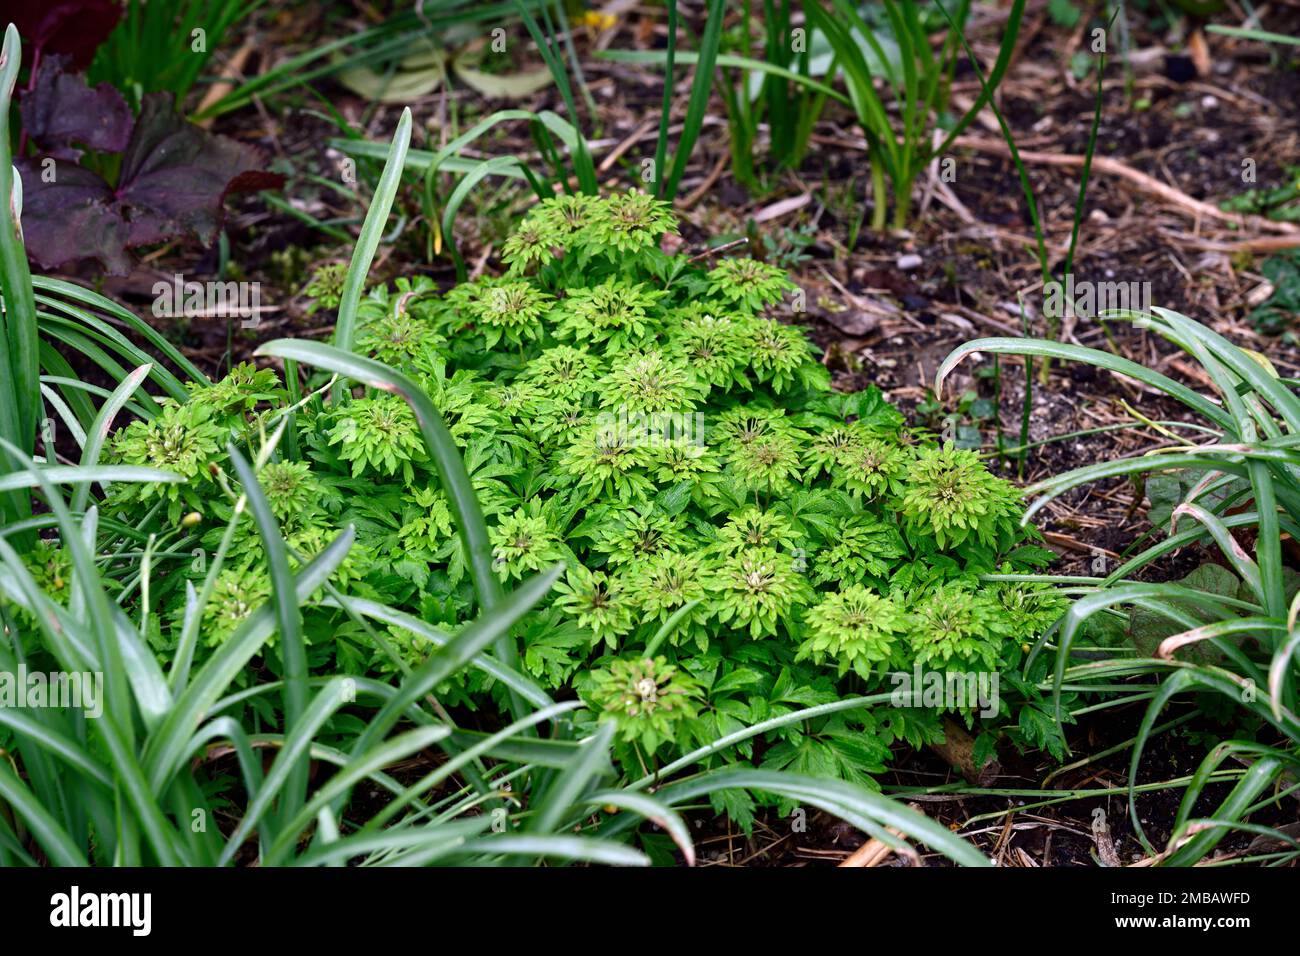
<point>645,697</point>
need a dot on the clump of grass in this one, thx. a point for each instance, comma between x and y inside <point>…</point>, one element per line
<point>1230,629</point>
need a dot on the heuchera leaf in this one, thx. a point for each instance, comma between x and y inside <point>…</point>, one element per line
<point>71,217</point>
<point>174,177</point>
<point>175,174</point>
<point>61,110</point>
<point>72,27</point>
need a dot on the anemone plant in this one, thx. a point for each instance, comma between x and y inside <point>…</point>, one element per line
<point>126,775</point>
<point>165,765</point>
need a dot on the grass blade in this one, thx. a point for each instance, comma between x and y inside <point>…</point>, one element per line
<point>101,426</point>
<point>288,614</point>
<point>372,230</point>
<point>698,103</point>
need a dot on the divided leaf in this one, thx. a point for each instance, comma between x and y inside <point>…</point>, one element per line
<point>175,174</point>
<point>71,217</point>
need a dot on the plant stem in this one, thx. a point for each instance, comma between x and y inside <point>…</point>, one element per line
<point>877,191</point>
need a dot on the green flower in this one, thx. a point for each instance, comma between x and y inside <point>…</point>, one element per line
<point>610,458</point>
<point>292,491</point>
<point>871,468</point>
<point>532,244</point>
<point>518,399</point>
<point>826,449</point>
<point>756,589</point>
<point>459,400</point>
<point>775,352</point>
<point>761,447</point>
<point>561,420</point>
<point>563,372</point>
<point>1029,609</point>
<point>664,582</point>
<point>628,223</point>
<point>236,593</point>
<point>755,528</point>
<point>615,312</point>
<point>746,424</point>
<point>647,383</point>
<point>311,539</point>
<point>599,603</point>
<point>749,283</point>
<point>768,464</point>
<point>646,698</point>
<point>51,569</point>
<point>634,535</point>
<point>950,495</point>
<point>564,217</point>
<point>854,627</point>
<point>508,309</point>
<point>325,288</point>
<point>380,435</point>
<point>955,626</point>
<point>182,439</point>
<point>711,348</point>
<point>239,392</point>
<point>402,341</point>
<point>525,542</point>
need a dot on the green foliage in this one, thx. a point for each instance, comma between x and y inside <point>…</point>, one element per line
<point>1064,13</point>
<point>949,494</point>
<point>885,50</point>
<point>165,44</point>
<point>223,635</point>
<point>188,439</point>
<point>1278,313</point>
<point>325,287</point>
<point>856,628</point>
<point>1279,203</point>
<point>763,542</point>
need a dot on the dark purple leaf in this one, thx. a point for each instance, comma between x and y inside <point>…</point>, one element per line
<point>61,110</point>
<point>71,216</point>
<point>174,177</point>
<point>72,27</point>
<point>175,174</point>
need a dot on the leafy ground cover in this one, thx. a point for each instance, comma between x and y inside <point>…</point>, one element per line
<point>627,488</point>
<point>739,540</point>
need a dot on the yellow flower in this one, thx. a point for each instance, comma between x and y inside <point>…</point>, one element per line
<point>599,20</point>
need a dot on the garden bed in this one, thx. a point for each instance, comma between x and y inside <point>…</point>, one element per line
<point>1178,114</point>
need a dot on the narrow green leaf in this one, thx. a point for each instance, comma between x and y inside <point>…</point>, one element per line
<point>101,427</point>
<point>288,614</point>
<point>372,230</point>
